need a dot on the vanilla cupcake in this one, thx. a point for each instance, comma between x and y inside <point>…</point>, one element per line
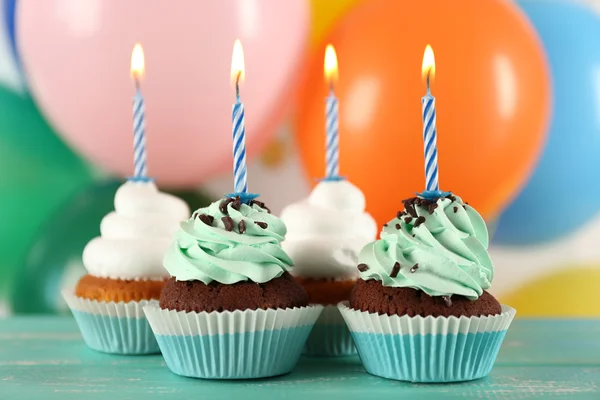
<point>125,269</point>
<point>326,232</point>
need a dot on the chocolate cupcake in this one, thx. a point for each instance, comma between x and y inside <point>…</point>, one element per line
<point>326,232</point>
<point>424,284</point>
<point>229,286</point>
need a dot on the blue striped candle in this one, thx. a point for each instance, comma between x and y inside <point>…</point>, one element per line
<point>139,118</point>
<point>332,144</point>
<point>429,127</point>
<point>240,174</point>
<point>239,148</point>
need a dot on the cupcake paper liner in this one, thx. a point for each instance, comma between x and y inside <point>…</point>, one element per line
<point>116,328</point>
<point>330,336</point>
<point>427,349</point>
<point>232,345</point>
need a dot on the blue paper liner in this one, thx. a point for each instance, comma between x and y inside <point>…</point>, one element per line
<point>246,344</point>
<point>128,336</point>
<point>330,336</point>
<point>115,328</point>
<point>428,349</point>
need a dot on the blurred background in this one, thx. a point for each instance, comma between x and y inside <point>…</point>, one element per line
<point>518,113</point>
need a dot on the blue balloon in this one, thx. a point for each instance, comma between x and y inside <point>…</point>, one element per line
<point>10,7</point>
<point>564,190</point>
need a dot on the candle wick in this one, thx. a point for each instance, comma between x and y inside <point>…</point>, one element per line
<point>237,85</point>
<point>331,91</point>
<point>429,82</point>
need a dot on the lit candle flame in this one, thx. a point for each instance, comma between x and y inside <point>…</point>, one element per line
<point>428,68</point>
<point>238,70</point>
<point>137,62</point>
<point>331,65</point>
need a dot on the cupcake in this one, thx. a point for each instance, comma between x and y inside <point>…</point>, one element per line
<point>231,309</point>
<point>420,311</point>
<point>325,234</point>
<point>125,270</point>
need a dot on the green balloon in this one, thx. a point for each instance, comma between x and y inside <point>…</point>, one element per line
<point>54,259</point>
<point>38,172</point>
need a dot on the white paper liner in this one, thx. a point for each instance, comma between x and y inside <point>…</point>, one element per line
<point>232,345</point>
<point>132,309</point>
<point>365,322</point>
<point>178,323</point>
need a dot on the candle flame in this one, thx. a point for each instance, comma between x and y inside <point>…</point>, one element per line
<point>238,70</point>
<point>331,65</point>
<point>428,68</point>
<point>137,61</point>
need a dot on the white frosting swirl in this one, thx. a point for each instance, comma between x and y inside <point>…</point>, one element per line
<point>327,231</point>
<point>136,235</point>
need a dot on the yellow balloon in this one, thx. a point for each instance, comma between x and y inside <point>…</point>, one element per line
<point>325,13</point>
<point>573,291</point>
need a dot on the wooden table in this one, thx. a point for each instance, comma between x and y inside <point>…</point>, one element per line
<point>45,358</point>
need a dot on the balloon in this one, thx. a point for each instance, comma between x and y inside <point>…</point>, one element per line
<point>10,68</point>
<point>77,54</point>
<point>563,192</point>
<point>492,94</point>
<point>37,174</point>
<point>571,291</point>
<point>54,258</point>
<point>325,14</point>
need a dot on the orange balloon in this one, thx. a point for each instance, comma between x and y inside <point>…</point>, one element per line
<point>493,99</point>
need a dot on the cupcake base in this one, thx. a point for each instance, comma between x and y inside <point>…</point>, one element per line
<point>246,344</point>
<point>327,291</point>
<point>106,289</point>
<point>427,349</point>
<point>115,328</point>
<point>283,292</point>
<point>373,297</point>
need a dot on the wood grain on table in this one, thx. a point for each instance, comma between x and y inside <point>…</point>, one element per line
<point>45,358</point>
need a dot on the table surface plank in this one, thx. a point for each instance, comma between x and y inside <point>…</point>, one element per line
<point>45,357</point>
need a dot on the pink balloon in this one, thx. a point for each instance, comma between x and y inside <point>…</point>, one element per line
<point>77,56</point>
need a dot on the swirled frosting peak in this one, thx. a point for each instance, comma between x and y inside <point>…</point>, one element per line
<point>439,247</point>
<point>327,231</point>
<point>135,236</point>
<point>229,242</point>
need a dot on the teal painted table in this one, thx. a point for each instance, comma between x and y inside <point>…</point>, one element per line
<point>45,358</point>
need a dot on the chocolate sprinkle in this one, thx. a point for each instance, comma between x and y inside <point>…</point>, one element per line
<point>432,207</point>
<point>385,224</point>
<point>194,215</point>
<point>224,204</point>
<point>408,219</point>
<point>263,225</point>
<point>363,267</point>
<point>455,209</point>
<point>395,270</point>
<point>411,210</point>
<point>237,203</point>
<point>419,221</point>
<point>242,226</point>
<point>260,204</point>
<point>398,226</point>
<point>414,268</point>
<point>207,219</point>
<point>228,222</point>
<point>451,197</point>
<point>399,214</point>
<point>447,300</point>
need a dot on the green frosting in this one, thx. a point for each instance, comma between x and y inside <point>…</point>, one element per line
<point>444,255</point>
<point>212,253</point>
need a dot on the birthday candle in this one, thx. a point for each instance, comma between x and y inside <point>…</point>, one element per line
<point>139,118</point>
<point>240,174</point>
<point>429,123</point>
<point>332,148</point>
